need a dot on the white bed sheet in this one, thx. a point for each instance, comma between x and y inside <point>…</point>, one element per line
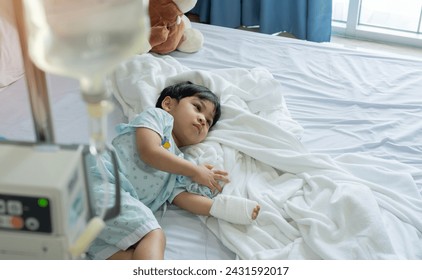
<point>346,100</point>
<point>312,206</point>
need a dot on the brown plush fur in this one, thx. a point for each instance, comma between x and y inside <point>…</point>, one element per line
<point>166,32</point>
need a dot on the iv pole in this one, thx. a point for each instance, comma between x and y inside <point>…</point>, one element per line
<point>36,84</point>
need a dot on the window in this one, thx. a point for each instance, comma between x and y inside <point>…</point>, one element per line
<point>379,20</point>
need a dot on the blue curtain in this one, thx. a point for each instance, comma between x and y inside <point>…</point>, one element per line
<point>306,19</point>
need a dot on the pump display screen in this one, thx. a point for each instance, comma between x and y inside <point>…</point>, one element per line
<point>25,213</point>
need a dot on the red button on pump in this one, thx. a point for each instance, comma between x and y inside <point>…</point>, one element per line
<point>16,222</point>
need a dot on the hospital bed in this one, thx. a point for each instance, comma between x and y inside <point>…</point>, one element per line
<point>326,138</point>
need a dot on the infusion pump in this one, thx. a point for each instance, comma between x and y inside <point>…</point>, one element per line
<point>44,200</point>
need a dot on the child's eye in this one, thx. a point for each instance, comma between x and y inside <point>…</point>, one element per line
<point>209,122</point>
<point>197,106</point>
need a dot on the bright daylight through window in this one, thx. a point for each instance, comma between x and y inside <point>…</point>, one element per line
<point>380,20</point>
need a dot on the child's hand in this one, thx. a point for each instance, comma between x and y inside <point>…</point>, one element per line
<point>208,177</point>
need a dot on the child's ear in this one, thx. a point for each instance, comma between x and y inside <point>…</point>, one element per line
<point>167,103</point>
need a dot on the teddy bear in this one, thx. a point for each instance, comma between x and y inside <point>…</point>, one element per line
<point>171,29</point>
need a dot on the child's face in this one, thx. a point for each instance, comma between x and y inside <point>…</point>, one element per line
<point>193,118</point>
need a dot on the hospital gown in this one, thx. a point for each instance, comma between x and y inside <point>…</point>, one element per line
<point>144,189</point>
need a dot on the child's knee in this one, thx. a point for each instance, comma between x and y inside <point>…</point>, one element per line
<point>156,235</point>
<point>160,234</point>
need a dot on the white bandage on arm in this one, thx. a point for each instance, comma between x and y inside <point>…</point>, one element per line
<point>233,209</point>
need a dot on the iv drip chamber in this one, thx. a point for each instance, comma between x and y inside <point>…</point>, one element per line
<point>86,39</point>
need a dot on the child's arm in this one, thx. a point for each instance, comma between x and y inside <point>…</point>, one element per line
<point>237,210</point>
<point>151,152</point>
<point>194,203</point>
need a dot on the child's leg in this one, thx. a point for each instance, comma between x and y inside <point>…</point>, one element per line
<point>233,209</point>
<point>150,247</point>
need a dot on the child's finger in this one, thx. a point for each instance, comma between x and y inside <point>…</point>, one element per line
<point>221,172</point>
<point>209,166</point>
<point>223,178</point>
<point>218,187</point>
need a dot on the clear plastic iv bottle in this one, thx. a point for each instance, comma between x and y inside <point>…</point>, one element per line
<point>85,40</point>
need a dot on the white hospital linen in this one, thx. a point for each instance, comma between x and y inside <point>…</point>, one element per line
<point>313,206</point>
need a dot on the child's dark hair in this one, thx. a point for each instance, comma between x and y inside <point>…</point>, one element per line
<point>186,89</point>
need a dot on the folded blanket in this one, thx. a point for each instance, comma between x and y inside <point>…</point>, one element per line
<point>312,206</point>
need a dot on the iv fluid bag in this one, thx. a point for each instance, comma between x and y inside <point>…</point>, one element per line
<point>86,39</point>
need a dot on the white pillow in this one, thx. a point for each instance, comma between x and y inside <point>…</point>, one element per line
<point>11,65</point>
<point>137,83</point>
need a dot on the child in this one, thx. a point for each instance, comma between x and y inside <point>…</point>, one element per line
<point>152,170</point>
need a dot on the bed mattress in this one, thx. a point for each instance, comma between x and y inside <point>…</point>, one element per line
<point>347,101</point>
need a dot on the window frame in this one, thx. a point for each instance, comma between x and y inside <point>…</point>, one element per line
<point>352,29</point>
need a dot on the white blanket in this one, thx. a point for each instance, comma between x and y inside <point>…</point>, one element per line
<point>312,206</point>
